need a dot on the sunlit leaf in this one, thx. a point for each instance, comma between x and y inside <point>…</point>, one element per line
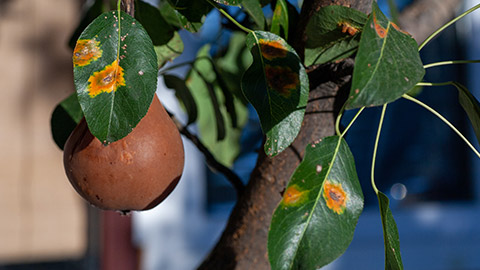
<point>184,95</point>
<point>316,218</point>
<point>333,33</point>
<point>219,120</point>
<point>387,65</point>
<point>115,72</point>
<point>471,106</point>
<point>254,9</point>
<point>280,19</point>
<point>170,50</point>
<point>228,96</point>
<point>233,64</point>
<point>64,119</point>
<point>276,84</point>
<point>393,260</point>
<point>227,149</point>
<point>156,26</point>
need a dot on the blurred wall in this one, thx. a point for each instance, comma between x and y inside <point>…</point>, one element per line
<point>41,217</point>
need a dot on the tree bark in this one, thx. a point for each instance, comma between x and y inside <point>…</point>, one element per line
<point>243,244</point>
<point>423,17</point>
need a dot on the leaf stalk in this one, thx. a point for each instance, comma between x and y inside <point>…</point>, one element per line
<point>444,120</point>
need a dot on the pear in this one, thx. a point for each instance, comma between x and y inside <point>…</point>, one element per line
<point>136,172</point>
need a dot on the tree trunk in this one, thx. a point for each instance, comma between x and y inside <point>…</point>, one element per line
<point>243,244</point>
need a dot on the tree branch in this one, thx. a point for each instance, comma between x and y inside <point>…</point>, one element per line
<point>231,176</point>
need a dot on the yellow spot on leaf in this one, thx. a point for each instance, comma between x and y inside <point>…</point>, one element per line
<point>293,196</point>
<point>86,51</point>
<point>381,31</point>
<point>273,49</point>
<point>281,79</point>
<point>278,11</point>
<point>348,28</point>
<point>106,80</point>
<point>335,197</point>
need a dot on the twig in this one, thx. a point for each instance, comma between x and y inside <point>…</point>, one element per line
<point>129,7</point>
<point>231,176</point>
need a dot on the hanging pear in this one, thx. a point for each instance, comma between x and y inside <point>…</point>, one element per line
<point>134,173</point>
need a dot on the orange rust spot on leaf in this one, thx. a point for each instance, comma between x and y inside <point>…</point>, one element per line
<point>348,28</point>
<point>335,197</point>
<point>400,30</point>
<point>381,31</point>
<point>273,49</point>
<point>86,51</point>
<point>293,196</point>
<point>282,79</point>
<point>106,80</point>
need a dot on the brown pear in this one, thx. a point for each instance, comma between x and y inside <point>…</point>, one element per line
<point>133,173</point>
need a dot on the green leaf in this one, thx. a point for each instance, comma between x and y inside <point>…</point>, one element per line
<point>333,34</point>
<point>184,95</point>
<point>193,10</point>
<point>156,26</point>
<point>229,148</point>
<point>229,2</point>
<point>471,106</point>
<point>233,64</point>
<point>280,19</point>
<point>215,104</point>
<point>170,50</point>
<point>393,260</point>
<point>115,72</point>
<point>229,101</point>
<point>254,10</point>
<point>387,65</point>
<point>316,219</point>
<point>176,19</point>
<point>65,117</point>
<point>276,84</point>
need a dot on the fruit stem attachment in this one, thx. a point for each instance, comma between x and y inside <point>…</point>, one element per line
<point>231,176</point>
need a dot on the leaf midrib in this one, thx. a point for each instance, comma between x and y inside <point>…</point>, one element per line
<point>379,59</point>
<point>307,223</point>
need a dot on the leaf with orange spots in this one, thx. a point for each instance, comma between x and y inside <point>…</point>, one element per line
<point>276,84</point>
<point>115,71</point>
<point>333,34</point>
<point>318,212</point>
<point>387,64</point>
